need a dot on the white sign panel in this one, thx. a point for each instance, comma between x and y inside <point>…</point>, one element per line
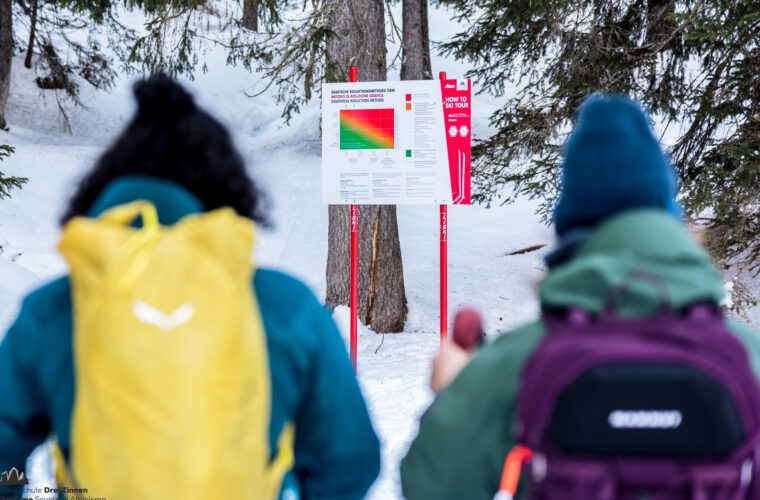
<point>396,143</point>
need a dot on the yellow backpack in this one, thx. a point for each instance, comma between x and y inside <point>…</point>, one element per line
<point>173,383</point>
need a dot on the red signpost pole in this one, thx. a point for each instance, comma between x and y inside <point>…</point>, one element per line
<point>444,223</point>
<point>354,263</point>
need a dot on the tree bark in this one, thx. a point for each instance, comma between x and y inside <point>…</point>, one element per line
<point>659,26</point>
<point>6,54</point>
<point>359,27</point>
<point>415,49</point>
<point>251,14</point>
<point>32,30</point>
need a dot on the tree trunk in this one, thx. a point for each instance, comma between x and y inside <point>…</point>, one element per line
<point>359,27</point>
<point>32,30</point>
<point>6,54</point>
<point>660,26</point>
<point>251,14</point>
<point>415,51</point>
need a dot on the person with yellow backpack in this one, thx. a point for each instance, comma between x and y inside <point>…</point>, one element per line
<point>166,365</point>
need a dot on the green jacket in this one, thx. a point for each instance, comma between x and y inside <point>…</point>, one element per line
<point>465,436</point>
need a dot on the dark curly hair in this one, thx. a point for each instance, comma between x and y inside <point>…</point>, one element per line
<point>171,138</point>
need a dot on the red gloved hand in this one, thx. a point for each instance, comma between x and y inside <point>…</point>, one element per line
<point>455,354</point>
<point>468,329</point>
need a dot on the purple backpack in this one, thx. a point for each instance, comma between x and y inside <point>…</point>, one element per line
<point>666,407</point>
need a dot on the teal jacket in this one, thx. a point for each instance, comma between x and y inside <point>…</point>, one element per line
<point>337,453</point>
<point>466,434</point>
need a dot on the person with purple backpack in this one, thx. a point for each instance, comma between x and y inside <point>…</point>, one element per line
<point>632,384</point>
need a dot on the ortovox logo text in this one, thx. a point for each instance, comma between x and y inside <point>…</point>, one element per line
<point>645,419</point>
<point>166,322</point>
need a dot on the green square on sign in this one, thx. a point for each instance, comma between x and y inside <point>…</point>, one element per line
<point>408,153</point>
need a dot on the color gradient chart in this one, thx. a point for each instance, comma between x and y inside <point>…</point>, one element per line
<point>367,128</point>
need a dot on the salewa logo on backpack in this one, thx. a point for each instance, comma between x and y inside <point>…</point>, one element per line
<point>166,322</point>
<point>645,419</point>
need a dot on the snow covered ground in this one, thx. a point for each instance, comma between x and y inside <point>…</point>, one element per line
<point>393,369</point>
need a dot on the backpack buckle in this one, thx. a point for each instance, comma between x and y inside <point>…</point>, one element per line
<point>538,467</point>
<point>746,472</point>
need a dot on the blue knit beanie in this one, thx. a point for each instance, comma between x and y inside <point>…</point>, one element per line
<point>612,163</point>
